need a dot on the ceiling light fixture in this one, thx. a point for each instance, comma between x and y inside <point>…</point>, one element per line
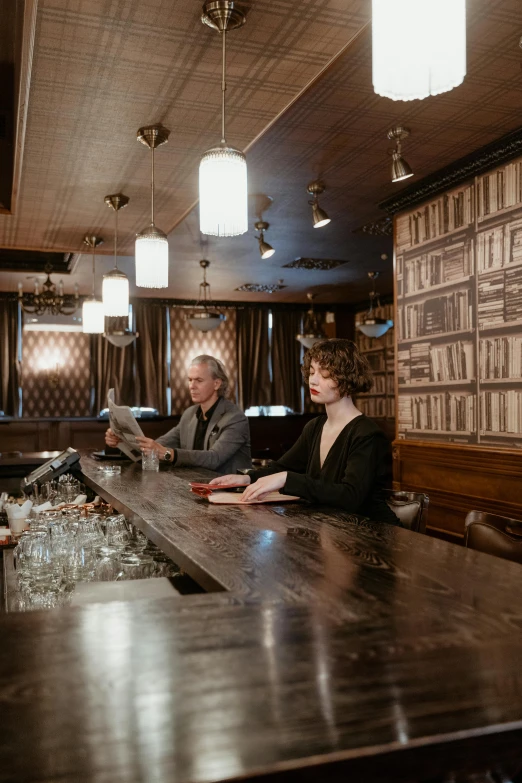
<point>371,325</point>
<point>50,300</point>
<point>419,47</point>
<point>93,315</point>
<point>319,215</point>
<point>152,245</point>
<point>400,168</point>
<point>223,195</point>
<point>115,287</point>
<point>205,319</point>
<point>312,331</point>
<point>265,250</point>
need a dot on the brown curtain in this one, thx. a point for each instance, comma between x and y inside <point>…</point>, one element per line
<point>286,359</point>
<point>112,368</point>
<point>151,355</point>
<point>9,365</point>
<point>253,358</point>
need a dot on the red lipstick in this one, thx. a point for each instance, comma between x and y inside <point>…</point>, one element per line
<point>313,391</point>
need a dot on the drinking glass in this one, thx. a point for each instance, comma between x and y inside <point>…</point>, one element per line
<point>136,566</point>
<point>107,567</point>
<point>80,561</point>
<point>117,532</point>
<point>42,572</point>
<point>149,459</point>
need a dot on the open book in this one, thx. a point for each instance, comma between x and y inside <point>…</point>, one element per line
<point>125,426</point>
<point>233,494</point>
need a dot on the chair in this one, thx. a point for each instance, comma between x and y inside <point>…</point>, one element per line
<point>410,507</point>
<point>494,535</point>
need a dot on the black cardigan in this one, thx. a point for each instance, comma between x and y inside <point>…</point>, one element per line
<point>356,469</point>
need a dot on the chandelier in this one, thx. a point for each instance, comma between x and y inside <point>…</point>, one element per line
<point>115,286</point>
<point>223,196</point>
<point>152,246</point>
<point>205,319</point>
<point>50,299</point>
<point>312,331</point>
<point>371,325</point>
<point>419,47</point>
<point>93,317</point>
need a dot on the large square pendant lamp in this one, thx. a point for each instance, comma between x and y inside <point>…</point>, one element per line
<point>93,316</point>
<point>152,246</point>
<point>115,288</point>
<point>223,191</point>
<point>419,47</point>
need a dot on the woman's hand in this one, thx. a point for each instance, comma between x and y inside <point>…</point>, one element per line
<point>111,439</point>
<point>148,444</point>
<point>263,486</point>
<point>230,481</point>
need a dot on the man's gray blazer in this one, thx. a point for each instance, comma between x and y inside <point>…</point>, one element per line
<point>227,439</point>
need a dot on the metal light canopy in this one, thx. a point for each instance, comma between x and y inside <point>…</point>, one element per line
<point>312,332</point>
<point>371,325</point>
<point>320,217</point>
<point>400,168</point>
<point>223,189</point>
<point>419,47</point>
<point>265,250</point>
<point>205,319</point>
<point>115,287</point>
<point>152,246</point>
<point>93,315</point>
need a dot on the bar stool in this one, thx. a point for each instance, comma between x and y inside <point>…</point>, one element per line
<point>494,535</point>
<point>410,507</point>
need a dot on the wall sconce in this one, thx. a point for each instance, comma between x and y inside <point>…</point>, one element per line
<point>50,367</point>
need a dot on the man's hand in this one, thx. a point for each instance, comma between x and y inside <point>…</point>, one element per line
<point>111,439</point>
<point>151,445</point>
<point>263,486</point>
<point>230,481</point>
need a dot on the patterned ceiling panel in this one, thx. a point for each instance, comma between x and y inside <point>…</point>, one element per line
<point>105,69</point>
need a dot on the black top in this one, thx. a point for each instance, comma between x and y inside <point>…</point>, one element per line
<point>201,428</point>
<point>355,470</point>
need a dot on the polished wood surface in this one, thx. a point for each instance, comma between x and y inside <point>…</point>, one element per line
<point>459,479</point>
<point>334,648</point>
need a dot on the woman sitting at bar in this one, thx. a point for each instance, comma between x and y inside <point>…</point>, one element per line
<point>342,458</point>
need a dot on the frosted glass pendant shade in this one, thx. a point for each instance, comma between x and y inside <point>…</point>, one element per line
<point>152,259</point>
<point>223,196</point>
<point>419,47</point>
<point>375,327</point>
<point>93,317</point>
<point>115,293</point>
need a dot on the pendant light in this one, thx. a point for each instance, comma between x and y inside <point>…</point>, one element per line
<point>419,47</point>
<point>400,168</point>
<point>119,333</point>
<point>152,246</point>
<point>371,325</point>
<point>312,332</point>
<point>320,217</point>
<point>93,316</point>
<point>115,289</point>
<point>223,194</point>
<point>265,250</point>
<point>205,319</point>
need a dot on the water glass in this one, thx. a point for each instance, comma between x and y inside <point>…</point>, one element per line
<point>80,562</point>
<point>150,459</point>
<point>116,531</point>
<point>136,566</point>
<point>107,568</point>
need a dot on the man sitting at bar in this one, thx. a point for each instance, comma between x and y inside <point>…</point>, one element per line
<point>342,458</point>
<point>213,433</point>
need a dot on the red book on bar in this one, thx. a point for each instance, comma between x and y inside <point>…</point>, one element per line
<point>204,490</point>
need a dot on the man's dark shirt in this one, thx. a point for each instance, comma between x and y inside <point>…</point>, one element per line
<point>201,428</point>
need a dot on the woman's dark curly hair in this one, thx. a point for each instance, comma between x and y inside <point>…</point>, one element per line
<point>345,365</point>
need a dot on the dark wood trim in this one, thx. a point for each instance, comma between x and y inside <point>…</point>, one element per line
<point>500,151</point>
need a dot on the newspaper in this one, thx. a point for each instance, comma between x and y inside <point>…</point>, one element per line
<point>125,427</point>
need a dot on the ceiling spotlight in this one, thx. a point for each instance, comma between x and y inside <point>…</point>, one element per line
<point>152,245</point>
<point>319,215</point>
<point>265,249</point>
<point>115,286</point>
<point>93,316</point>
<point>400,168</point>
<point>223,195</point>
<point>204,318</point>
<point>371,325</point>
<point>418,48</point>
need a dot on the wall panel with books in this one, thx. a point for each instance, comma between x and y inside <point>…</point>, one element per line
<point>459,313</point>
<point>379,403</point>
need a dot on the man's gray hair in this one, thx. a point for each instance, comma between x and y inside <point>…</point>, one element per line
<point>217,370</point>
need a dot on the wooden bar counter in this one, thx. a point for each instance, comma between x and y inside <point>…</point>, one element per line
<point>327,647</point>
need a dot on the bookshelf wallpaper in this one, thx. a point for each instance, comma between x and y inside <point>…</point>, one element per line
<point>459,313</point>
<point>379,403</point>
